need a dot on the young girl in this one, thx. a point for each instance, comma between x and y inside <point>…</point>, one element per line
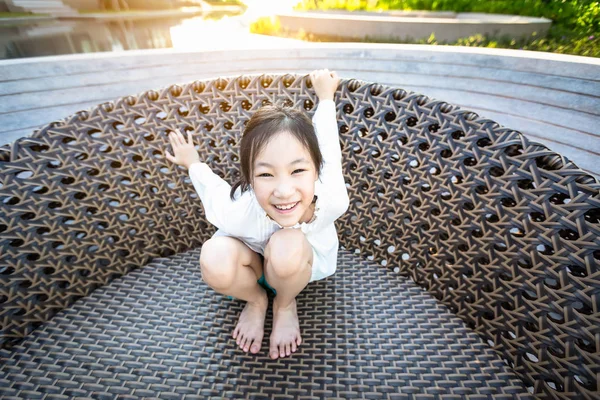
<point>276,224</point>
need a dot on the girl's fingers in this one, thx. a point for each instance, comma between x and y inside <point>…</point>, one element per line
<point>191,141</point>
<point>179,136</point>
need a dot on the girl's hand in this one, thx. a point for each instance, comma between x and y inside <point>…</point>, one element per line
<point>325,83</point>
<point>185,153</point>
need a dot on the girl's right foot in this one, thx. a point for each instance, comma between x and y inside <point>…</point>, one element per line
<point>250,328</point>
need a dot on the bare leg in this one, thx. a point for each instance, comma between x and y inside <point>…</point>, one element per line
<point>231,268</point>
<point>288,268</point>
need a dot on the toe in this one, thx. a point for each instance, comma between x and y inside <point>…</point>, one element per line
<point>294,346</point>
<point>282,351</point>
<point>287,349</point>
<point>255,347</point>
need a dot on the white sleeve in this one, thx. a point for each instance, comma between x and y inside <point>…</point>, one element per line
<point>337,200</point>
<point>234,217</point>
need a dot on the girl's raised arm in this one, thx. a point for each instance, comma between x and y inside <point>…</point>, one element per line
<point>220,210</point>
<point>234,217</point>
<point>324,120</point>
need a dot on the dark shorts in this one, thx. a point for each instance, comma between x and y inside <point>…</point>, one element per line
<point>262,281</point>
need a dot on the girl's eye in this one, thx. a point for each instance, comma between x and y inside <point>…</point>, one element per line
<point>266,174</point>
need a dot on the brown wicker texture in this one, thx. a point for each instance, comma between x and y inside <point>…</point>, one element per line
<point>502,231</point>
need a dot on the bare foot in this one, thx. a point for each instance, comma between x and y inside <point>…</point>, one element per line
<point>250,328</point>
<point>286,330</point>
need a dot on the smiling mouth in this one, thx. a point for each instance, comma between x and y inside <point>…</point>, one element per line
<point>288,209</point>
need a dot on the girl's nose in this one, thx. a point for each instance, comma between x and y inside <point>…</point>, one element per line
<point>284,190</point>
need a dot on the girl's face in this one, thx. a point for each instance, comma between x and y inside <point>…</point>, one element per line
<point>284,175</point>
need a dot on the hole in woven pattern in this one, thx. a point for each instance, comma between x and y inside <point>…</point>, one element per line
<point>536,216</point>
<point>308,105</point>
<point>246,105</point>
<point>545,249</point>
<point>517,232</point>
<point>470,161</point>
<point>68,140</point>
<point>434,128</point>
<point>482,189</point>
<point>228,125</point>
<point>391,116</point>
<point>288,80</point>
<point>456,179</point>
<point>514,150</point>
<point>197,87</point>
<point>568,234</point>
<point>457,135</point>
<point>524,263</point>
<point>348,108</point>
<point>204,109</point>
<point>445,195</point>
<point>582,308</point>
<point>508,202</point>
<point>224,106</point>
<point>576,270</point>
<point>183,111</point>
<point>11,201</point>
<point>95,133</point>
<point>484,142</point>
<point>526,184</point>
<point>139,119</point>
<point>555,385</point>
<point>559,198</point>
<point>369,112</point>
<point>592,215</point>
<point>42,148</point>
<point>424,146</point>
<point>105,148</point>
<point>585,382</point>
<point>500,247</point>
<point>552,283</point>
<point>446,153</point>
<point>344,129</point>
<point>148,136</point>
<point>175,90</point>
<point>266,81</point>
<point>381,136</point>
<point>586,345</point>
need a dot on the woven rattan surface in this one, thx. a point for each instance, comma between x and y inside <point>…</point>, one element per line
<point>501,230</point>
<point>161,332</point>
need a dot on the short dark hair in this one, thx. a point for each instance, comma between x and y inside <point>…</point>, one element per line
<point>269,121</point>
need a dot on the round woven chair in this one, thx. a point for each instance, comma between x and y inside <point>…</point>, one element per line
<point>468,263</point>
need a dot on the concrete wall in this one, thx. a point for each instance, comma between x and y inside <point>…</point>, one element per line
<point>550,98</point>
<point>383,26</point>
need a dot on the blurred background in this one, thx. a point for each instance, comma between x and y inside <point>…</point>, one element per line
<point>54,27</point>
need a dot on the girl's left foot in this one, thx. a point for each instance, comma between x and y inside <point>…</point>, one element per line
<point>286,330</point>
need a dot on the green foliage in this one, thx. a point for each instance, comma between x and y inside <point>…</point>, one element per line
<point>575,23</point>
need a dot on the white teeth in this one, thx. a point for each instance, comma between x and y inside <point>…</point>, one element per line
<point>286,208</point>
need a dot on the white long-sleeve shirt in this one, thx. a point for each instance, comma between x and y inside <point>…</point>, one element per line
<point>245,219</point>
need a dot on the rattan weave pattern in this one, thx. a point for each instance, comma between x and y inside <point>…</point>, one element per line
<point>161,332</point>
<point>500,229</point>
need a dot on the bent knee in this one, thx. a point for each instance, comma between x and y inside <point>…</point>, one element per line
<point>285,251</point>
<point>218,258</point>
